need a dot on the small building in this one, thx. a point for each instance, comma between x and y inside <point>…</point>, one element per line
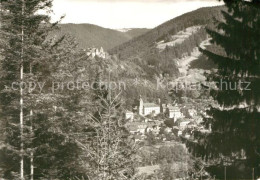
<point>151,108</point>
<point>136,127</point>
<point>184,123</point>
<point>174,112</point>
<point>164,108</point>
<point>153,128</point>
<point>129,115</point>
<point>179,133</point>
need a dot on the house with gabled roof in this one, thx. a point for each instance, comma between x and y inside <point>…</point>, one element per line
<point>174,112</point>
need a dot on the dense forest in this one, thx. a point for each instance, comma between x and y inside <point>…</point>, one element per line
<point>140,59</point>
<point>233,143</point>
<point>89,35</point>
<point>202,16</point>
<point>143,51</point>
<point>51,129</point>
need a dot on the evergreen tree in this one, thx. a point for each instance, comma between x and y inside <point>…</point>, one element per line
<point>60,109</point>
<point>34,122</point>
<point>235,118</point>
<point>108,148</point>
<point>22,34</point>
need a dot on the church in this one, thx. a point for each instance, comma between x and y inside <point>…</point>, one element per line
<point>148,108</point>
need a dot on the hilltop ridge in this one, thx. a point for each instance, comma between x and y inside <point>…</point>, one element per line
<point>89,35</point>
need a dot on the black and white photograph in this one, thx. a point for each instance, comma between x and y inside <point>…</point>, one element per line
<point>129,89</point>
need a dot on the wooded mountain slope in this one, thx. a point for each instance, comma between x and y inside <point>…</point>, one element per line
<point>202,16</point>
<point>88,35</point>
<point>168,52</point>
<point>179,37</point>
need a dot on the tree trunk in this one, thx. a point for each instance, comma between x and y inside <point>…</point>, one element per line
<point>21,102</point>
<point>31,135</point>
<point>31,154</point>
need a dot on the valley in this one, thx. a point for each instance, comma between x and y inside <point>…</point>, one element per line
<point>179,101</point>
<point>167,53</point>
<point>139,58</point>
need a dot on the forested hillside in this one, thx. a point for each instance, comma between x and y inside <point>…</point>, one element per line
<point>168,53</point>
<point>157,52</point>
<point>88,35</point>
<point>135,32</point>
<point>202,16</point>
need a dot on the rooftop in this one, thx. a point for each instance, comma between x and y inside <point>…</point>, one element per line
<point>150,105</point>
<point>174,108</point>
<point>129,112</point>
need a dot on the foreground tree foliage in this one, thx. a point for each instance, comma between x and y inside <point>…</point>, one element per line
<point>45,130</point>
<point>108,148</point>
<point>235,119</point>
<point>23,35</point>
<point>34,142</point>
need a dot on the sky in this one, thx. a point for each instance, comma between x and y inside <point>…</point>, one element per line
<point>118,14</point>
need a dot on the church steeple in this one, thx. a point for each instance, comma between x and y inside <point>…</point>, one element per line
<point>141,105</point>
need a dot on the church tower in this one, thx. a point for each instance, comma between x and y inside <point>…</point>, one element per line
<point>141,105</point>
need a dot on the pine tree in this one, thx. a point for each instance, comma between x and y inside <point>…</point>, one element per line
<point>108,148</point>
<point>16,28</point>
<point>235,118</point>
<point>58,111</point>
<point>30,136</point>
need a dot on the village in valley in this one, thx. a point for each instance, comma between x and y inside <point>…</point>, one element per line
<point>163,118</point>
<point>159,127</point>
<point>138,90</point>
